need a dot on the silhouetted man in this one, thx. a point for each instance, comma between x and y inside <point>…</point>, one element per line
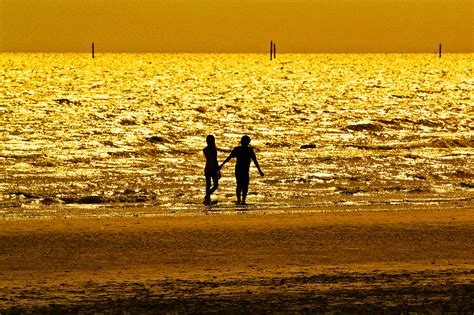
<point>244,154</point>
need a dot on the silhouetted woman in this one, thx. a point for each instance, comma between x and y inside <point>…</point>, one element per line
<point>211,171</point>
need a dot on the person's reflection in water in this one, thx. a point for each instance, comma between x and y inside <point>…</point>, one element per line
<point>211,171</point>
<point>244,155</point>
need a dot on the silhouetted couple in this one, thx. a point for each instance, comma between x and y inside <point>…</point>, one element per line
<point>243,154</point>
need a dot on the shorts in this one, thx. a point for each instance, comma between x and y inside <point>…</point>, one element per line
<point>242,179</point>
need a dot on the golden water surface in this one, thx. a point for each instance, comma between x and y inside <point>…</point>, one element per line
<point>125,132</point>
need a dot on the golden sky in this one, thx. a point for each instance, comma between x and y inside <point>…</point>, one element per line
<point>299,26</point>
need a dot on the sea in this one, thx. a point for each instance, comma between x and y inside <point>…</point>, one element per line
<point>122,134</point>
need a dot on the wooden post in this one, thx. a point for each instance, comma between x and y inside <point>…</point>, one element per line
<point>440,50</point>
<point>274,50</point>
<point>271,50</point>
<point>92,49</point>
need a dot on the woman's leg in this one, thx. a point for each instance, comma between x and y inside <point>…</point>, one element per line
<point>208,187</point>
<point>215,184</point>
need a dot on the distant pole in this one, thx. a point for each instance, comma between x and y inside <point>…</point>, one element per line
<point>440,50</point>
<point>271,50</point>
<point>274,50</point>
<point>92,49</point>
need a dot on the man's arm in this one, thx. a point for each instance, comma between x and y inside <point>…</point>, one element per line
<point>254,158</point>
<point>225,161</point>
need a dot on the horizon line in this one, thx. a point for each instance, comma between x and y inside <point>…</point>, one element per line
<point>233,53</point>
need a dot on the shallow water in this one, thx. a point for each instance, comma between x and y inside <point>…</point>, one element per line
<point>125,131</point>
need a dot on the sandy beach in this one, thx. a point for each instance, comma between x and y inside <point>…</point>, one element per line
<point>402,259</point>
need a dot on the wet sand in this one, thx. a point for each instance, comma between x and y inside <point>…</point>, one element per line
<point>402,259</point>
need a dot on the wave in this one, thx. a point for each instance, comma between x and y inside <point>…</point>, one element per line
<point>435,143</point>
<point>66,101</point>
<point>364,190</point>
<point>380,125</point>
<point>372,127</point>
<point>467,185</point>
<point>126,196</point>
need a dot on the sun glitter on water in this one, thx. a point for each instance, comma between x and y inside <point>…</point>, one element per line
<point>126,130</point>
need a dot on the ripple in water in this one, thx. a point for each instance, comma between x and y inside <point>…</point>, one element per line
<point>126,131</point>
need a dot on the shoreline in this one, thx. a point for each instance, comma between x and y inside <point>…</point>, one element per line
<point>103,211</point>
<point>363,261</point>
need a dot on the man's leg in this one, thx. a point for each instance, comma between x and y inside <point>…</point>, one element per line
<point>238,189</point>
<point>245,187</point>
